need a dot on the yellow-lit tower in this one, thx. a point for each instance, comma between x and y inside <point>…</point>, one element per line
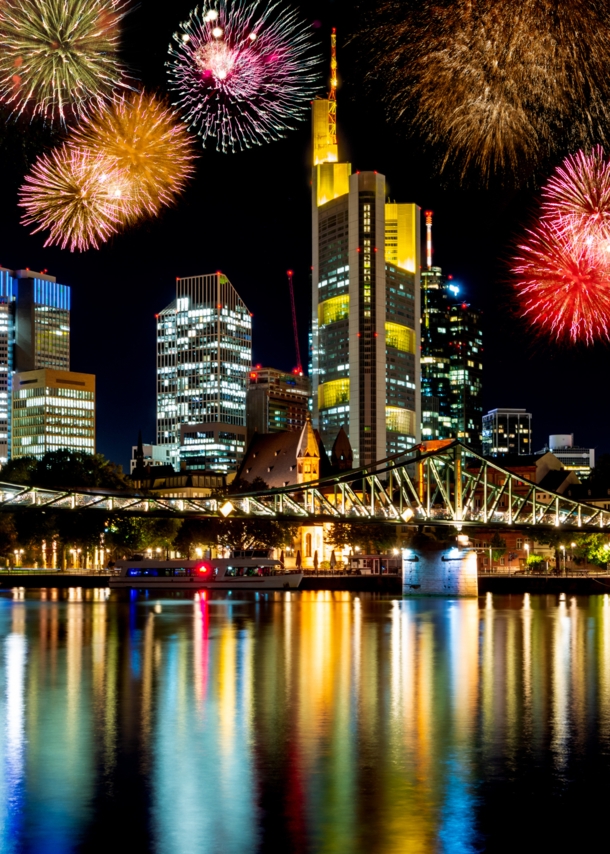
<point>365,300</point>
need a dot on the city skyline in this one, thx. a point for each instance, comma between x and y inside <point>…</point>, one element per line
<point>249,216</point>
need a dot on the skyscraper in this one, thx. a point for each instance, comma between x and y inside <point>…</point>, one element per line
<point>366,300</point>
<point>204,353</point>
<point>34,334</point>
<point>451,358</point>
<point>466,373</point>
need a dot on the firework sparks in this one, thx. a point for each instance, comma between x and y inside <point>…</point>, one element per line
<point>577,198</point>
<point>242,74</point>
<point>145,142</point>
<point>563,288</point>
<point>79,199</point>
<point>496,87</point>
<point>59,56</point>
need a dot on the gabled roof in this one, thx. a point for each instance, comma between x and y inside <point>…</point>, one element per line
<point>272,457</point>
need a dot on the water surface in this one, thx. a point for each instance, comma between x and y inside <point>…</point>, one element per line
<point>303,722</point>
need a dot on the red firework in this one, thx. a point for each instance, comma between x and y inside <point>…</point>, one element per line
<point>576,200</point>
<point>563,287</point>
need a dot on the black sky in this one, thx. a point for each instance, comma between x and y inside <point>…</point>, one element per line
<point>249,216</point>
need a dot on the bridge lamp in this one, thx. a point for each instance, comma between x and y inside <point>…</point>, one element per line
<point>406,515</point>
<point>462,539</point>
<point>227,508</point>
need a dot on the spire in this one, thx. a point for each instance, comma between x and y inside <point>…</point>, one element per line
<point>308,454</point>
<point>332,94</point>
<point>429,239</point>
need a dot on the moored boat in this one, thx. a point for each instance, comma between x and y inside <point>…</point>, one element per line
<point>211,573</point>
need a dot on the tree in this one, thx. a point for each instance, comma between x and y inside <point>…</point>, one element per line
<point>8,535</point>
<point>65,469</point>
<point>196,533</point>
<point>371,537</point>
<point>498,546</point>
<point>255,532</point>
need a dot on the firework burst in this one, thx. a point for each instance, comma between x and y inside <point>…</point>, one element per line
<point>145,142</point>
<point>242,73</point>
<point>59,56</point>
<point>496,87</point>
<point>79,199</point>
<point>563,288</point>
<point>576,199</point>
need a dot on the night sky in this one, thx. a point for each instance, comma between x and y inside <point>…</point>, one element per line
<point>249,216</point>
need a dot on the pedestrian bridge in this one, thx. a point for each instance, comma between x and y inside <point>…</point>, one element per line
<point>435,483</point>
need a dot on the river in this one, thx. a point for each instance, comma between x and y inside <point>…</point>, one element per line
<point>302,722</point>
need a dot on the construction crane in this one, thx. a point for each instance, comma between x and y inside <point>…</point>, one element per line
<point>299,367</point>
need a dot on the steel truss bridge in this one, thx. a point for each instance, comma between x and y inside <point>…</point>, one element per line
<point>435,483</point>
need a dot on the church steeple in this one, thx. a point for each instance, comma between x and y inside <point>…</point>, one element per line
<point>308,454</point>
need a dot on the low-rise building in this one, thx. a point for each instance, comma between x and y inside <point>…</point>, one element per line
<point>507,431</point>
<point>52,410</point>
<point>579,460</point>
<point>276,401</point>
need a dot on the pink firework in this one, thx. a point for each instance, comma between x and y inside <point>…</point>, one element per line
<point>79,199</point>
<point>576,200</point>
<point>563,288</point>
<point>242,73</point>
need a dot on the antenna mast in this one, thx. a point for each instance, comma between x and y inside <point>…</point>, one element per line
<point>294,323</point>
<point>332,94</point>
<point>429,239</point>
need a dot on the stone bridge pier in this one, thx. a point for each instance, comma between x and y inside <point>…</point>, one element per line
<point>439,572</point>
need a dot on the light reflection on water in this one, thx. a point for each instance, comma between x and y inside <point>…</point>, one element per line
<point>300,722</point>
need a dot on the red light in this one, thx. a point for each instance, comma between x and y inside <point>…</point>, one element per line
<point>253,376</point>
<point>289,272</point>
<point>203,568</point>
<point>449,277</point>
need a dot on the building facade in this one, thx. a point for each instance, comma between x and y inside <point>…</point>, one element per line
<point>507,431</point>
<point>451,357</point>
<point>204,354</point>
<point>34,334</point>
<point>365,304</point>
<point>466,373</point>
<point>52,410</point>
<point>435,355</point>
<point>573,458</point>
<point>276,400</point>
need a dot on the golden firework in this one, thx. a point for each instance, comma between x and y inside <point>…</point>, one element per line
<point>59,56</point>
<point>495,87</point>
<point>145,142</point>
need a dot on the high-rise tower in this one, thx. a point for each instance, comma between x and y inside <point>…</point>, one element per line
<point>34,334</point>
<point>366,301</point>
<point>204,354</point>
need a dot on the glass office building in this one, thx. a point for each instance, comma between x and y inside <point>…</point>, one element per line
<point>204,354</point>
<point>52,410</point>
<point>466,374</point>
<point>34,334</point>
<point>366,300</point>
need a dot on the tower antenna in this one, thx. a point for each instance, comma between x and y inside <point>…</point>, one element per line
<point>429,239</point>
<point>294,323</point>
<point>332,94</point>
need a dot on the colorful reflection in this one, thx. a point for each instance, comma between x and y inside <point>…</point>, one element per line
<point>299,722</point>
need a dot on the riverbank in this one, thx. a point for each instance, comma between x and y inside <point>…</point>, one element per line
<point>577,585</point>
<point>351,583</point>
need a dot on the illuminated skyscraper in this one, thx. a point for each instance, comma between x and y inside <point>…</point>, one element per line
<point>34,334</point>
<point>466,374</point>
<point>204,354</point>
<point>366,302</point>
<point>451,358</point>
